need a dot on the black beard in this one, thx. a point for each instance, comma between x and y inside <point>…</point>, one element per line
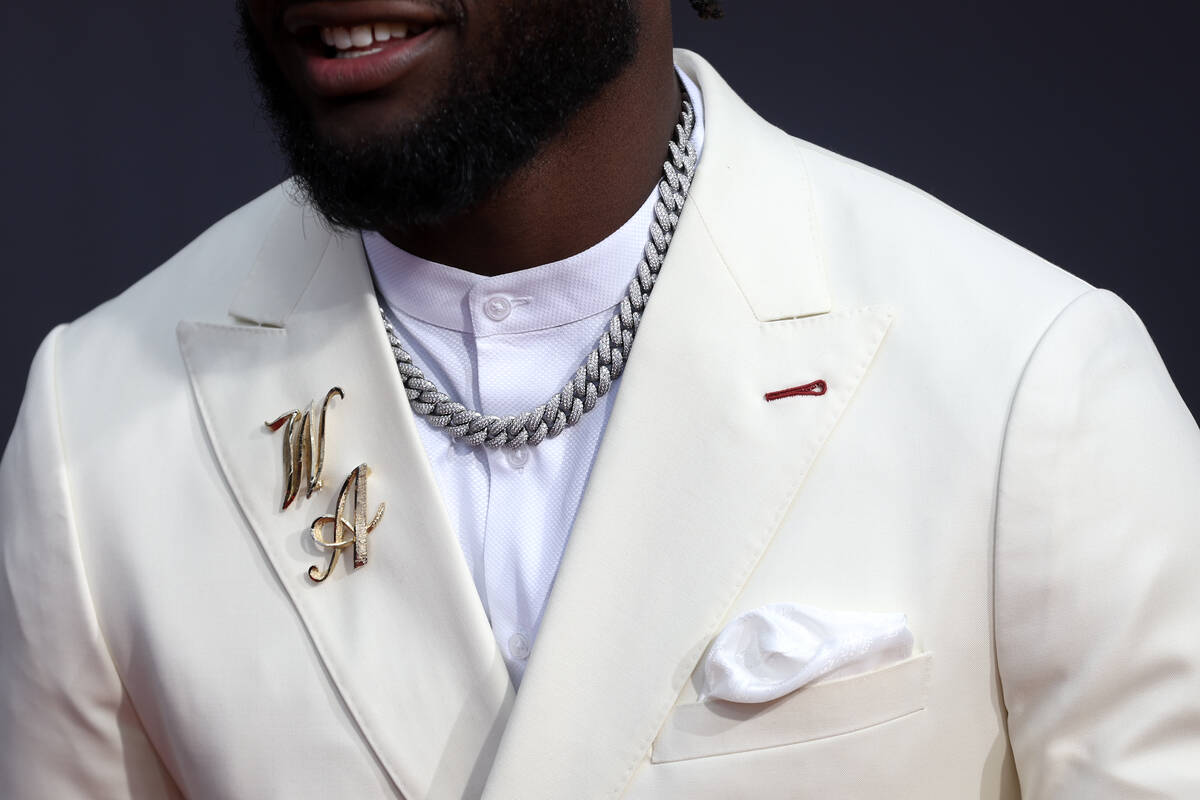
<point>550,59</point>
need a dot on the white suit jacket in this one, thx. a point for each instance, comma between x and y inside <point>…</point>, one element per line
<point>1000,454</point>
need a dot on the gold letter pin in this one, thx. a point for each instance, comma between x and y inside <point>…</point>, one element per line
<point>300,452</point>
<point>355,534</point>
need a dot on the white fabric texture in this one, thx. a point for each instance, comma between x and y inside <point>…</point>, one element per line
<point>778,648</point>
<point>503,345</point>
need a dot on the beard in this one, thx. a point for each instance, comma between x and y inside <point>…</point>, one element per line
<point>547,60</point>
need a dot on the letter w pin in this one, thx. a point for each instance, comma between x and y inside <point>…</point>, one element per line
<point>303,448</point>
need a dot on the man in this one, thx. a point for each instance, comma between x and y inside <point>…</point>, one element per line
<point>845,403</point>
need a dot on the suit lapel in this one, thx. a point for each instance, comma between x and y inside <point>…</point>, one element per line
<point>404,639</point>
<point>696,470</point>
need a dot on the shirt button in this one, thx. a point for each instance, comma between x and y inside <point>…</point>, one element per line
<point>497,308</point>
<point>518,457</point>
<point>518,646</point>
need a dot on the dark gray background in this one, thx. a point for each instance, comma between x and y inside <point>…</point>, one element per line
<point>1068,127</point>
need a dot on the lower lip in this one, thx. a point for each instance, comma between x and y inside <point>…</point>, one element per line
<point>339,77</point>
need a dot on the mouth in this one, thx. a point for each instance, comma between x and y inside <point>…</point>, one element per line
<point>348,48</point>
<point>365,40</point>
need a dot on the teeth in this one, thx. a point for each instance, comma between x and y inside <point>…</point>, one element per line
<point>358,53</point>
<point>344,38</point>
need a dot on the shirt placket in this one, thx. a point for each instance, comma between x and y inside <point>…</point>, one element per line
<point>504,542</point>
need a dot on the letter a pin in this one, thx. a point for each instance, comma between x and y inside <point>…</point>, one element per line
<point>346,534</point>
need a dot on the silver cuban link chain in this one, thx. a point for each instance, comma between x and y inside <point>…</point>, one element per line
<point>607,360</point>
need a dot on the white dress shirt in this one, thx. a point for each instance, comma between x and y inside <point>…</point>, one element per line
<point>504,345</point>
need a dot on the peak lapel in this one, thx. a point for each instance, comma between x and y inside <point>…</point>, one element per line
<point>404,639</point>
<point>695,473</point>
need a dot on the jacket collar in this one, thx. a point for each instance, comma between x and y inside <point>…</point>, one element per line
<point>753,189</point>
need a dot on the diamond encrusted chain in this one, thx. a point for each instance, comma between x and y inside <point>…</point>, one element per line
<point>607,360</point>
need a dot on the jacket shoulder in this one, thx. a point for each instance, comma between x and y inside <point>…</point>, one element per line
<point>882,231</point>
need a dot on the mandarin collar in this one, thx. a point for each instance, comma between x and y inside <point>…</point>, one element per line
<point>583,285</point>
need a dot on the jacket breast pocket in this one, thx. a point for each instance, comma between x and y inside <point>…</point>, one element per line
<point>816,711</point>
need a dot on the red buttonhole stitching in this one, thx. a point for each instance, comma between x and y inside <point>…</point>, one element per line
<point>814,389</point>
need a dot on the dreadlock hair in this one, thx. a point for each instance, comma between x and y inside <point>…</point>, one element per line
<point>708,9</point>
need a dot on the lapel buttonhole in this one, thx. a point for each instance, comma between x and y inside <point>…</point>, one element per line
<point>814,389</point>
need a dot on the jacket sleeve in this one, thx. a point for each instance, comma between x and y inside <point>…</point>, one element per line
<point>67,728</point>
<point>1097,566</point>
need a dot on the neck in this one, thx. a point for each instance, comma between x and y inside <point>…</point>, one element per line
<point>583,184</point>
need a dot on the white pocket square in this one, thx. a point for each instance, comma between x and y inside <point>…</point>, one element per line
<point>773,650</point>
